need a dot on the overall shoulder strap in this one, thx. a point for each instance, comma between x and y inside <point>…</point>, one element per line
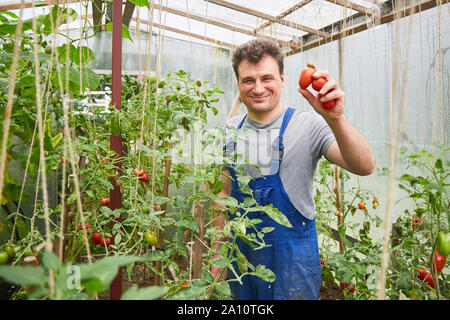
<point>277,145</point>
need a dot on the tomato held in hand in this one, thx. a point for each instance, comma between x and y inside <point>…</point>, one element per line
<point>328,104</point>
<point>438,262</point>
<point>318,83</point>
<point>306,77</point>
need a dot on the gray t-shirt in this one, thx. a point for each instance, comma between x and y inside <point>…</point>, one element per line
<point>306,139</point>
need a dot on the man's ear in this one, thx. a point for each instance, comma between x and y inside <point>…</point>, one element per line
<point>282,79</point>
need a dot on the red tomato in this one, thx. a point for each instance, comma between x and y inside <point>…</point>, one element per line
<point>430,280</point>
<point>139,172</point>
<point>345,285</point>
<point>329,104</point>
<point>156,208</point>
<point>96,238</point>
<point>144,177</point>
<point>322,262</point>
<point>422,273</point>
<point>105,242</point>
<point>306,77</point>
<point>361,205</point>
<point>438,262</point>
<point>318,83</point>
<point>105,201</point>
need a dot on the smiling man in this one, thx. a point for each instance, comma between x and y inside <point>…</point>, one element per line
<point>287,143</point>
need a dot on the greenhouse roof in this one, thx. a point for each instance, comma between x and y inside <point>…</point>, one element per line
<point>295,25</point>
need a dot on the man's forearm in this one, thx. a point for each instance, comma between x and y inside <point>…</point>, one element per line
<point>354,149</point>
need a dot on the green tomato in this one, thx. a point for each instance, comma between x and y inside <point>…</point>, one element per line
<point>151,238</point>
<point>10,251</point>
<point>443,243</point>
<point>3,257</point>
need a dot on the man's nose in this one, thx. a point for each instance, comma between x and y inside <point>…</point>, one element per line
<point>259,87</point>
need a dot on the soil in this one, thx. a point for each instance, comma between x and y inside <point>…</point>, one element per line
<point>330,292</point>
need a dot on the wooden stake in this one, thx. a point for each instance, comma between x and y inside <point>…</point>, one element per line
<point>198,247</point>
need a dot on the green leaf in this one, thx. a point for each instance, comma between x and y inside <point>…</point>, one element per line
<point>148,293</point>
<point>50,261</point>
<point>57,17</point>
<point>264,273</point>
<point>221,262</point>
<point>241,261</point>
<point>223,288</point>
<point>125,32</point>
<point>438,164</point>
<point>98,276</point>
<point>78,79</point>
<point>228,202</point>
<point>141,3</point>
<point>56,140</point>
<point>81,55</point>
<point>190,293</point>
<point>24,276</point>
<point>276,215</point>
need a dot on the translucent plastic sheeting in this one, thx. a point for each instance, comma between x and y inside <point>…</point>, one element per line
<point>316,14</point>
<point>369,60</point>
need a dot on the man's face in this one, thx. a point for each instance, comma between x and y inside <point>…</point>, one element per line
<point>260,84</point>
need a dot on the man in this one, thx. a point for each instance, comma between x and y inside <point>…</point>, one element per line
<point>287,170</point>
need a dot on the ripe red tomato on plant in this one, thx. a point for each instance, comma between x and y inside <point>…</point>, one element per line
<point>345,285</point>
<point>438,262</point>
<point>306,77</point>
<point>96,238</point>
<point>361,205</point>
<point>105,242</point>
<point>430,280</point>
<point>144,177</point>
<point>105,201</point>
<point>139,172</point>
<point>157,207</point>
<point>422,273</point>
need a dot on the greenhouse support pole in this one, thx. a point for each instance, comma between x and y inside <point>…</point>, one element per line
<point>116,141</point>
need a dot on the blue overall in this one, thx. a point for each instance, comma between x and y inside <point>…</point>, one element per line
<point>293,254</point>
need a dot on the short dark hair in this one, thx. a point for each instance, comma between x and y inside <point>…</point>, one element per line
<point>254,51</point>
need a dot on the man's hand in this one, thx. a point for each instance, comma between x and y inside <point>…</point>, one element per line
<point>330,91</point>
<point>350,151</point>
